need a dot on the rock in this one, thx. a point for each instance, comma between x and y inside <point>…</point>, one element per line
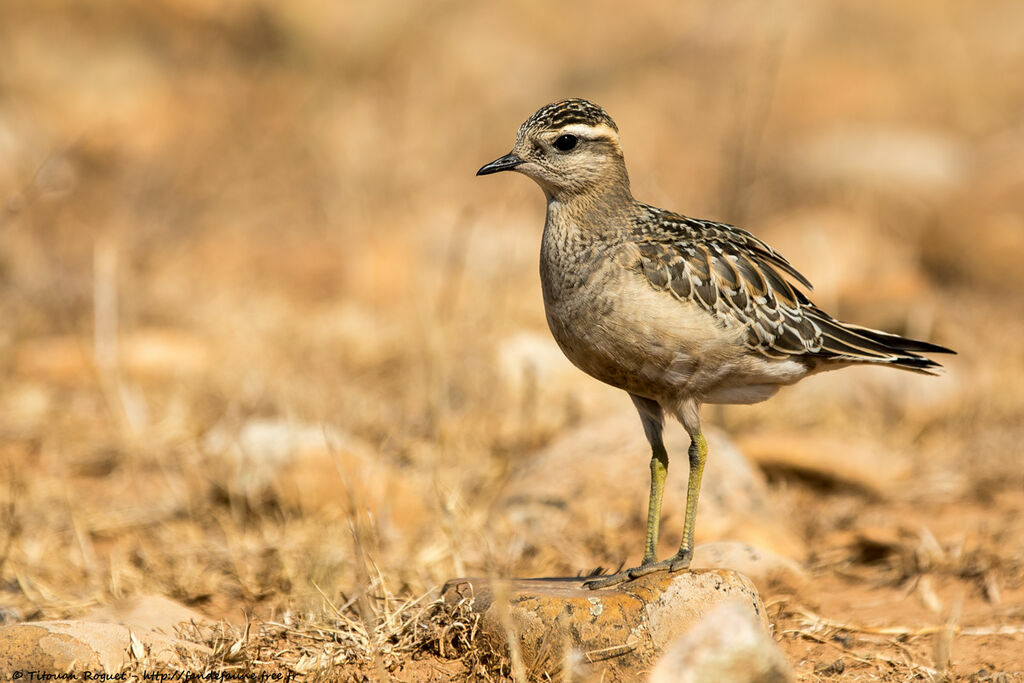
<point>544,390</point>
<point>85,645</point>
<point>727,645</point>
<point>360,333</point>
<point>769,571</point>
<point>616,631</point>
<point>106,639</point>
<point>311,469</point>
<point>147,612</point>
<point>594,481</point>
<point>61,645</point>
<point>863,465</point>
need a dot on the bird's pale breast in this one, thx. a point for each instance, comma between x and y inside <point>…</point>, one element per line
<point>614,326</point>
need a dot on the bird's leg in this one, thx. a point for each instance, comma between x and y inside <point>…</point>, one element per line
<point>681,560</point>
<point>659,472</point>
<point>698,455</point>
<point>653,419</point>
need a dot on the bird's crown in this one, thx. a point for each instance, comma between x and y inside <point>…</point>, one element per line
<point>566,112</point>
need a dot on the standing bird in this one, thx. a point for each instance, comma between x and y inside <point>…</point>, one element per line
<point>675,311</point>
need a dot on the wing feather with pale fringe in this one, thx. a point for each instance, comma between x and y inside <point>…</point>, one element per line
<point>742,281</point>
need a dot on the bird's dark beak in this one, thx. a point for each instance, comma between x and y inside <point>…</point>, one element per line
<point>505,163</point>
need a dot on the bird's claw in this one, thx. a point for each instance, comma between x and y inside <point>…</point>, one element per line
<point>677,562</point>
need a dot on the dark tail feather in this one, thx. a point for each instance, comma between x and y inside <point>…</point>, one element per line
<point>862,344</point>
<point>901,343</point>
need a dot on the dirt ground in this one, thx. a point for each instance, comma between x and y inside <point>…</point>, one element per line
<point>270,349</point>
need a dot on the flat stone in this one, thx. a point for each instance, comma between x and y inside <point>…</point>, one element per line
<point>549,392</point>
<point>616,632</point>
<point>105,640</point>
<point>769,571</point>
<point>867,466</point>
<point>726,645</point>
<point>148,613</point>
<point>312,469</point>
<point>83,645</point>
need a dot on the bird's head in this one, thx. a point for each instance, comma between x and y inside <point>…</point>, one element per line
<point>570,148</point>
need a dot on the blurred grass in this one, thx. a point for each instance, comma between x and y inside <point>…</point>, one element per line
<point>219,213</point>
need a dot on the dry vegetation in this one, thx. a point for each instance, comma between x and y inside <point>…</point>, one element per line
<point>270,349</point>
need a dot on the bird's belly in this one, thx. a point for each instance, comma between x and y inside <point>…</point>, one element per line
<point>634,339</point>
<point>598,351</point>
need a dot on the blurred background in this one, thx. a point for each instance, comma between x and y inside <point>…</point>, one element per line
<point>265,337</point>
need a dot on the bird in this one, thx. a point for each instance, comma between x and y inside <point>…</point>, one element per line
<point>676,311</point>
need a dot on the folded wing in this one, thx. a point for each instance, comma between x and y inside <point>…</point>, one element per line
<point>742,281</point>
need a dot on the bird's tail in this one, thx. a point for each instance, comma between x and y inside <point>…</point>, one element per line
<point>845,341</point>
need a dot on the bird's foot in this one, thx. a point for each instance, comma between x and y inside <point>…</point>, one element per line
<point>676,563</point>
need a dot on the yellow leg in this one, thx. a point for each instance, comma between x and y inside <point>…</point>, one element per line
<point>659,471</point>
<point>698,455</point>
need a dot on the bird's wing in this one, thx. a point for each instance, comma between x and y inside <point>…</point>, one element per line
<point>742,281</point>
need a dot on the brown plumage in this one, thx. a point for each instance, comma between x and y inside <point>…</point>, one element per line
<point>675,311</point>
<point>740,279</point>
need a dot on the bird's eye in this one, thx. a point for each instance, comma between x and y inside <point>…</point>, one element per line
<point>565,142</point>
